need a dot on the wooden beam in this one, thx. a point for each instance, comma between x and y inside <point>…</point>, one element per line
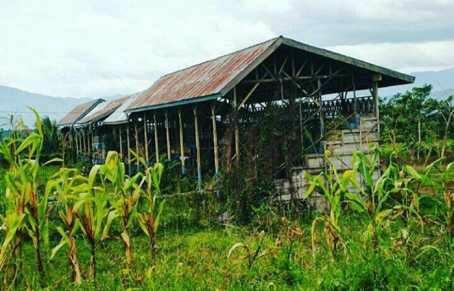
<point>84,144</point>
<point>121,142</point>
<point>156,140</point>
<point>236,129</point>
<point>128,145</point>
<point>320,108</point>
<point>77,142</point>
<point>249,95</point>
<point>145,136</point>
<point>197,146</point>
<point>136,135</point>
<point>167,136</point>
<point>180,120</point>
<point>375,80</point>
<point>215,140</point>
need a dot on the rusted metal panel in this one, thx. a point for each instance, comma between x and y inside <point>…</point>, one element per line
<point>119,116</point>
<point>79,112</point>
<point>205,79</point>
<point>102,110</point>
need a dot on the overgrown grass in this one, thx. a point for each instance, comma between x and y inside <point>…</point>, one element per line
<point>198,259</point>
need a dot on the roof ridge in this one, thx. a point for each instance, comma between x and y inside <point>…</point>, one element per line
<point>272,40</point>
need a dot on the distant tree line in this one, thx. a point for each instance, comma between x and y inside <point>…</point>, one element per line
<point>414,117</point>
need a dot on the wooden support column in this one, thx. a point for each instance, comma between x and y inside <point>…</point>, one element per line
<point>84,144</point>
<point>136,135</point>
<point>79,137</point>
<point>76,139</point>
<point>92,139</point>
<point>215,140</point>
<point>321,114</point>
<point>355,101</point>
<point>128,146</point>
<point>301,126</point>
<point>167,136</point>
<point>375,80</point>
<point>156,139</point>
<point>237,130</point>
<point>121,141</point>
<point>145,136</point>
<point>197,146</point>
<point>180,120</point>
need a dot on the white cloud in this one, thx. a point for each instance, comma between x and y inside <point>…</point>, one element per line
<point>97,48</point>
<point>408,57</point>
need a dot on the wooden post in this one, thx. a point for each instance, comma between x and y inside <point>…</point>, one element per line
<point>136,135</point>
<point>375,80</point>
<point>156,139</point>
<point>355,101</point>
<point>197,146</point>
<point>145,136</point>
<point>180,120</point>
<point>92,139</point>
<point>215,140</point>
<point>84,149</point>
<point>121,142</point>
<point>76,137</point>
<point>237,130</point>
<point>128,145</point>
<point>301,126</point>
<point>321,115</point>
<point>167,136</point>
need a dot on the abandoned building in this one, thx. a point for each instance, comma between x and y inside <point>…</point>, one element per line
<point>270,110</point>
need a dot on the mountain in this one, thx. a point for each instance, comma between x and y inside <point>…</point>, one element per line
<point>16,101</point>
<point>442,83</point>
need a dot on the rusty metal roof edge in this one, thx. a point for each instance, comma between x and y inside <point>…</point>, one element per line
<point>224,55</point>
<point>241,75</point>
<point>115,122</point>
<point>192,100</point>
<point>349,60</point>
<point>89,109</point>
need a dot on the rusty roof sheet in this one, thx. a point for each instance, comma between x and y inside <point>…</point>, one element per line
<point>102,110</point>
<point>119,116</point>
<point>211,79</point>
<point>205,79</point>
<point>79,112</point>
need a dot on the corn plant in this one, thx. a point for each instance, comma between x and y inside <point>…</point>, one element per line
<point>66,185</point>
<point>27,206</point>
<point>95,215</point>
<point>333,186</point>
<point>251,255</point>
<point>127,192</point>
<point>372,193</point>
<point>150,214</point>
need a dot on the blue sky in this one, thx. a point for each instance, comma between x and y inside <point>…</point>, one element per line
<point>100,48</point>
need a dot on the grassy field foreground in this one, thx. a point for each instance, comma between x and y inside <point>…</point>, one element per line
<point>203,259</point>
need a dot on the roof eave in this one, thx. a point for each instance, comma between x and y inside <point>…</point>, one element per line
<point>407,79</point>
<point>183,102</point>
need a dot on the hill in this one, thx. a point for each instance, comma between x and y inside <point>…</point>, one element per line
<point>16,101</point>
<point>441,81</point>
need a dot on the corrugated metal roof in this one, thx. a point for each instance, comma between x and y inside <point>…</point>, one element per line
<point>79,112</point>
<point>102,110</point>
<point>205,79</point>
<point>211,79</point>
<point>119,116</point>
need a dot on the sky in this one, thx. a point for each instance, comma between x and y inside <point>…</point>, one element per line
<point>88,48</point>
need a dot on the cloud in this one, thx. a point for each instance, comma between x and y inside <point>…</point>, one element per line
<point>96,48</point>
<point>408,57</point>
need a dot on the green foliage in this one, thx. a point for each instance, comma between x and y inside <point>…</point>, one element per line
<point>419,121</point>
<point>387,225</point>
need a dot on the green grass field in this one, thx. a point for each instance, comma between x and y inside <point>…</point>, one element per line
<point>198,260</point>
